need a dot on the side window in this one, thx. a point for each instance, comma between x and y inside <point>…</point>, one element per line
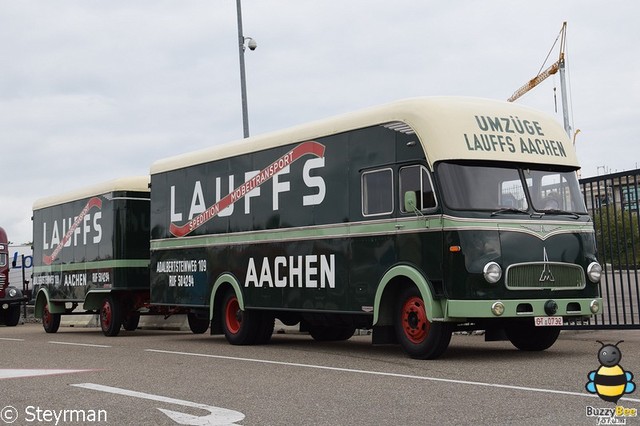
<point>377,192</point>
<point>416,179</point>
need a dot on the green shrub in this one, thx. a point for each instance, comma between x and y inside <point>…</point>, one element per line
<point>618,237</point>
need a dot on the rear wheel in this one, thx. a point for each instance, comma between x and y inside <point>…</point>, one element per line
<point>327,333</point>
<point>525,336</point>
<point>239,327</point>
<point>50,322</point>
<point>197,325</point>
<point>419,337</point>
<point>131,321</point>
<point>267,323</point>
<point>110,316</point>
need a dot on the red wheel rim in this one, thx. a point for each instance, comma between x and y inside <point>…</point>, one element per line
<point>233,315</point>
<point>414,320</point>
<point>46,317</point>
<point>106,315</point>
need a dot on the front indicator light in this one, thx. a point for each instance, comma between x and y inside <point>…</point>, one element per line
<point>594,306</point>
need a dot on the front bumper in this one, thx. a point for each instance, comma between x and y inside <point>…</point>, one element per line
<point>456,310</point>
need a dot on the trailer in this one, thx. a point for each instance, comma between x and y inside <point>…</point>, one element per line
<point>11,297</point>
<point>91,256</point>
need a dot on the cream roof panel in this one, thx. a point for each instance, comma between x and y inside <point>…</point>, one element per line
<point>133,183</point>
<point>448,128</point>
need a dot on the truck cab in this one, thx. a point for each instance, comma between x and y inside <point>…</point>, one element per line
<point>11,298</point>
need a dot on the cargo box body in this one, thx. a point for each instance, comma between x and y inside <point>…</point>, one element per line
<point>96,238</point>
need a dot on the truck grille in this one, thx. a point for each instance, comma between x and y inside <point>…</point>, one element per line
<point>545,275</point>
<point>3,281</point>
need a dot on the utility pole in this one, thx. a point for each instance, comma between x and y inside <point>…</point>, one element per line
<point>243,82</point>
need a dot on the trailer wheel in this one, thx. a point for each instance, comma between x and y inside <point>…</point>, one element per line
<point>240,327</point>
<point>131,321</point>
<point>327,333</point>
<point>419,337</point>
<point>12,316</point>
<point>525,336</point>
<point>197,325</point>
<point>110,316</point>
<point>50,322</point>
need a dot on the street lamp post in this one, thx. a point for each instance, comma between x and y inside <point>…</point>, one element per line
<point>251,43</point>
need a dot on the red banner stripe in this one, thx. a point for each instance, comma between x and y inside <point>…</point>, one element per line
<point>310,147</point>
<point>93,202</point>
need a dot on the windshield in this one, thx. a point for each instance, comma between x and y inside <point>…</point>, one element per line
<point>492,188</point>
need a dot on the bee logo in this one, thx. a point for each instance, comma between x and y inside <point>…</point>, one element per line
<point>610,381</point>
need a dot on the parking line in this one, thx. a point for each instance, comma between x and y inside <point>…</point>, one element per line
<point>382,373</point>
<point>80,344</point>
<point>12,340</point>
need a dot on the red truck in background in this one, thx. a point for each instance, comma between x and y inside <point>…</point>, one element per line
<point>11,298</point>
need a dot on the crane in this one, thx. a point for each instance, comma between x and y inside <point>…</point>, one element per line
<point>559,65</point>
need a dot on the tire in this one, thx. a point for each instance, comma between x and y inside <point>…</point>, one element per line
<point>239,327</point>
<point>110,316</point>
<point>525,336</point>
<point>197,325</point>
<point>12,316</point>
<point>265,331</point>
<point>131,321</point>
<point>328,333</point>
<point>419,337</point>
<point>50,322</point>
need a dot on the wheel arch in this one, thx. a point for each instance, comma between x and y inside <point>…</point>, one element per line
<point>395,280</point>
<point>43,299</point>
<point>94,298</point>
<point>221,284</point>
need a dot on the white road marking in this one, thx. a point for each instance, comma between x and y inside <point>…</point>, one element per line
<point>383,373</point>
<point>12,373</point>
<point>216,416</point>
<point>80,344</point>
<point>12,340</point>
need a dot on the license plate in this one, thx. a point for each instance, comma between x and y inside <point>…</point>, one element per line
<point>548,321</point>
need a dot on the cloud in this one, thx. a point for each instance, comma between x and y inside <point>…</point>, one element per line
<point>91,91</point>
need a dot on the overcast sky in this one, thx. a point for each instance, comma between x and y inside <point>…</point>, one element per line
<point>95,90</point>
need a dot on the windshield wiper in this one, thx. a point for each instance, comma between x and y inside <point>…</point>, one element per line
<point>556,211</point>
<point>509,210</point>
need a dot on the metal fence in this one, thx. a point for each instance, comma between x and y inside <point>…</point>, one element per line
<point>613,203</point>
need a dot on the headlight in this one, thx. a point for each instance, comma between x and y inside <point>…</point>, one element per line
<point>594,272</point>
<point>492,272</point>
<point>13,292</point>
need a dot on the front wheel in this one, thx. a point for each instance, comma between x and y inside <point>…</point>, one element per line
<point>525,336</point>
<point>110,316</point>
<point>12,317</point>
<point>419,337</point>
<point>50,322</point>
